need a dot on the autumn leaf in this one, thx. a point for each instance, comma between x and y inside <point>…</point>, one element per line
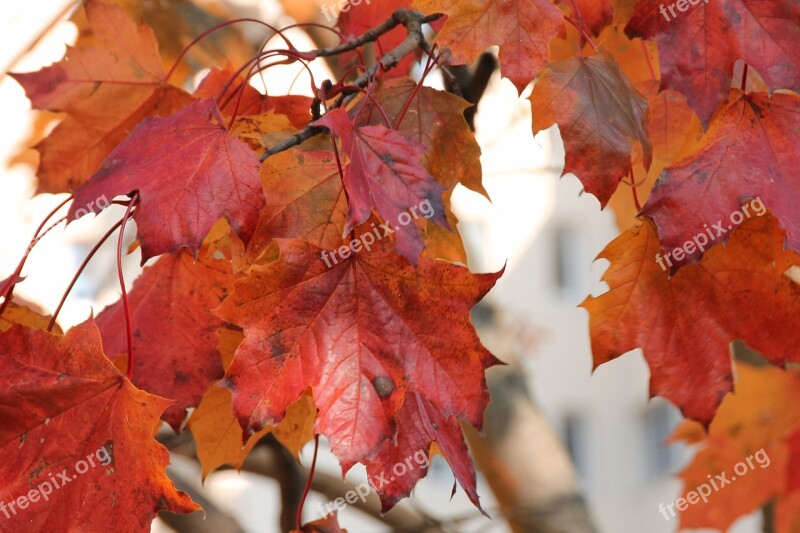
<point>175,24</point>
<point>600,115</point>
<point>522,29</point>
<point>329,524</point>
<point>684,324</point>
<point>105,90</point>
<point>750,150</point>
<point>435,119</point>
<point>747,450</point>
<point>24,315</point>
<point>385,173</point>
<point>307,202</point>
<point>174,331</point>
<point>189,172</point>
<point>61,402</point>
<point>419,424</point>
<point>699,45</point>
<point>366,335</point>
<point>218,434</point>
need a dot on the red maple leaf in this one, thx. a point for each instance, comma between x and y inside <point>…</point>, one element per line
<point>600,115</point>
<point>379,342</point>
<point>189,172</point>
<point>751,150</point>
<point>175,334</point>
<point>71,420</point>
<point>684,324</point>
<point>522,29</point>
<point>105,90</point>
<point>698,46</point>
<point>385,172</point>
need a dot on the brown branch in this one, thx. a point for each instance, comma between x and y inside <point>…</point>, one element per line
<point>333,487</point>
<point>289,476</point>
<point>262,461</point>
<point>411,20</point>
<point>399,17</point>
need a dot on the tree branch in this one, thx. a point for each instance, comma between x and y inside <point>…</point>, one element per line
<point>411,20</point>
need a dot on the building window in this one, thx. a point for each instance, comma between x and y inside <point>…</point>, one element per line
<point>567,261</point>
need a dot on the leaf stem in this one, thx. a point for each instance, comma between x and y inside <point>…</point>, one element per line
<point>744,77</point>
<point>218,27</point>
<point>8,290</point>
<point>429,65</point>
<point>125,303</point>
<point>80,270</point>
<point>308,485</point>
<point>647,58</point>
<point>584,35</point>
<point>412,21</point>
<point>635,195</point>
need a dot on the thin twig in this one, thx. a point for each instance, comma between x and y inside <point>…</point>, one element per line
<point>411,20</point>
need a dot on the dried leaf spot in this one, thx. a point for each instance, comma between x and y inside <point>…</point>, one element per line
<point>384,386</point>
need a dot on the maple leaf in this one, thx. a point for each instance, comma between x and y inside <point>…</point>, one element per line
<point>418,425</point>
<point>105,90</point>
<point>62,401</point>
<point>685,323</point>
<point>175,24</point>
<point>385,173</point>
<point>522,29</point>
<point>306,202</point>
<point>22,314</point>
<point>218,434</point>
<point>760,421</point>
<point>189,172</point>
<point>698,47</point>
<point>366,335</point>
<point>435,119</point>
<point>600,115</point>
<point>175,333</point>
<point>750,150</point>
